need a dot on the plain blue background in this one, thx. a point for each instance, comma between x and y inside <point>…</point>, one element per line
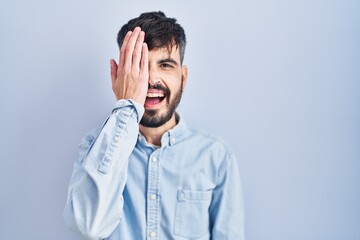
<point>278,80</point>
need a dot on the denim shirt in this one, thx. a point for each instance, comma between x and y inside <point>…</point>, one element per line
<point>125,188</point>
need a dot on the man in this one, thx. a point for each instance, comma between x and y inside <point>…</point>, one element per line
<point>144,174</point>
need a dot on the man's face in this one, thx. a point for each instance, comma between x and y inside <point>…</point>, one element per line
<point>167,78</point>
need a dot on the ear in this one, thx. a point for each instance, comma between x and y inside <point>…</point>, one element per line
<point>184,76</point>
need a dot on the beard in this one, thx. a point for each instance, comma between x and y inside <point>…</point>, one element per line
<point>153,118</point>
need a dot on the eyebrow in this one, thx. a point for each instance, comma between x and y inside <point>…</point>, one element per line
<point>168,60</point>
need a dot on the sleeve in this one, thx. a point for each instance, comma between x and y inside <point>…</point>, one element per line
<point>94,202</point>
<point>227,207</point>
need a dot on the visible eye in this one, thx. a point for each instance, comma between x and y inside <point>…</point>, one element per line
<point>166,65</point>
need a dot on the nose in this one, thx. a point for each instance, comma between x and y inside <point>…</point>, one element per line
<point>153,76</point>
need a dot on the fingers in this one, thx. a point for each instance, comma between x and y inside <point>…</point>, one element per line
<point>138,52</point>
<point>130,47</point>
<point>144,66</point>
<point>130,77</point>
<point>113,70</point>
<point>123,48</point>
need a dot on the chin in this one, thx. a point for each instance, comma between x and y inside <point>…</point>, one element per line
<point>153,119</point>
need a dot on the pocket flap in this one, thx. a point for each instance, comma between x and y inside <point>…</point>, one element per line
<point>191,195</point>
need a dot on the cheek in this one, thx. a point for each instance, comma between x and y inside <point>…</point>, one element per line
<point>175,87</point>
<point>173,83</point>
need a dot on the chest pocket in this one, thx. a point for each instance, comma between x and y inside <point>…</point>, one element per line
<point>192,213</point>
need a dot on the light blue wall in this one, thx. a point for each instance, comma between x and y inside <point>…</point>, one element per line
<point>278,80</point>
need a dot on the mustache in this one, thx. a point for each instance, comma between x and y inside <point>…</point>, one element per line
<point>160,87</point>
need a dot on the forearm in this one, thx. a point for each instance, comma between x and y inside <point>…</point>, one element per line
<point>95,201</point>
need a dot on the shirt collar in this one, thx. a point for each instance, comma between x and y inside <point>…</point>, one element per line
<point>170,137</point>
<point>173,136</point>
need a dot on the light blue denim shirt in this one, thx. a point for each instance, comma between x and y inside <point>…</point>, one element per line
<point>123,188</point>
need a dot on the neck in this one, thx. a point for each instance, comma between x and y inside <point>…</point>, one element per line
<point>153,135</point>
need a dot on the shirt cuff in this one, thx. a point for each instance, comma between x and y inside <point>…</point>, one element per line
<point>122,103</point>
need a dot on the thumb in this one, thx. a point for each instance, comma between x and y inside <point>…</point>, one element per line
<point>113,70</point>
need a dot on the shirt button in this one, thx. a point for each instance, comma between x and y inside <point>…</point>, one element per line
<point>116,138</point>
<point>173,140</point>
<point>153,197</point>
<point>153,159</point>
<point>152,234</point>
<point>139,138</point>
<point>181,197</point>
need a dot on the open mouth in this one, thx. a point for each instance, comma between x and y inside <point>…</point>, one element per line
<point>154,98</point>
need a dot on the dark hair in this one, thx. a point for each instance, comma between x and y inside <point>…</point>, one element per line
<point>160,31</point>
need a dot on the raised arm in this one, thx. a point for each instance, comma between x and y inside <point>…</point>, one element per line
<point>94,203</point>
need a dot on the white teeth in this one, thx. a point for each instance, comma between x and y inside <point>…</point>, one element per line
<point>155,95</point>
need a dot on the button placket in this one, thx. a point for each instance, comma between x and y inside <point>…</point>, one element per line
<point>152,192</point>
